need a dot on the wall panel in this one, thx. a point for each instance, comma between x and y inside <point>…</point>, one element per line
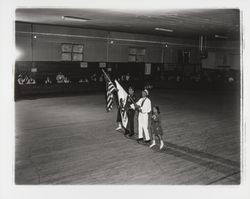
<point>98,48</point>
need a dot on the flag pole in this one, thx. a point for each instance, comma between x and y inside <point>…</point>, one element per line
<point>106,76</point>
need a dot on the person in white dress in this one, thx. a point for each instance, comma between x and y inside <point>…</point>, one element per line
<point>144,107</point>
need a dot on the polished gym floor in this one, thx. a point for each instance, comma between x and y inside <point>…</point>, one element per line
<point>72,140</point>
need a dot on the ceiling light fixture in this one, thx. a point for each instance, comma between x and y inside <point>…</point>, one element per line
<point>163,29</point>
<point>221,37</point>
<point>70,18</point>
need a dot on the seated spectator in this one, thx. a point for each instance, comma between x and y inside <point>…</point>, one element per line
<point>148,86</point>
<point>83,80</point>
<point>20,80</point>
<point>93,77</point>
<point>127,77</point>
<point>26,79</point>
<point>101,78</point>
<point>230,79</point>
<point>30,80</point>
<point>48,81</point>
<point>66,80</point>
<point>123,77</point>
<point>60,78</point>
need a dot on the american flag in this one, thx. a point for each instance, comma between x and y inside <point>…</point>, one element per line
<point>109,92</point>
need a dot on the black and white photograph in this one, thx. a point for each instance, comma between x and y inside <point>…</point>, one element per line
<point>158,103</point>
<point>111,96</point>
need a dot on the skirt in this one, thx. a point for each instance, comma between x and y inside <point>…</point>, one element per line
<point>156,128</point>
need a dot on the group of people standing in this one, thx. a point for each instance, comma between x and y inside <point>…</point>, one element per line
<point>145,110</point>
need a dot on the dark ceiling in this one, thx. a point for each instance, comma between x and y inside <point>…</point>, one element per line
<point>184,23</point>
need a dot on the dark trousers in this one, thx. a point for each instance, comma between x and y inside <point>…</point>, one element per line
<point>130,127</point>
<point>119,117</point>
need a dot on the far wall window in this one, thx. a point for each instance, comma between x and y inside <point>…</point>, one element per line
<point>72,52</point>
<point>136,54</point>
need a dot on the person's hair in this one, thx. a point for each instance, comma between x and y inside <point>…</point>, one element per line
<point>158,109</point>
<point>130,87</point>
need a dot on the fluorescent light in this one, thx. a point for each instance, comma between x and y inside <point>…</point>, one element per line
<point>219,36</point>
<point>163,29</point>
<point>70,18</point>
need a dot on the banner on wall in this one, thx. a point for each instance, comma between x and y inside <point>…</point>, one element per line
<point>33,70</point>
<point>84,65</point>
<point>102,65</point>
<point>148,69</point>
<point>109,69</point>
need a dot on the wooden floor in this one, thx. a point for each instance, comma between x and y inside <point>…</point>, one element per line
<point>71,140</point>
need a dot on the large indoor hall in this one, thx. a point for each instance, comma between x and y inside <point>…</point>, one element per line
<point>128,97</point>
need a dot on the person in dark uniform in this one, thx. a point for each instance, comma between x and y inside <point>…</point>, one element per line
<point>130,112</point>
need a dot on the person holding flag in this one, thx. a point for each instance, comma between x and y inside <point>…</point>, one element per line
<point>144,107</point>
<point>120,111</point>
<point>130,112</point>
<point>122,116</point>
